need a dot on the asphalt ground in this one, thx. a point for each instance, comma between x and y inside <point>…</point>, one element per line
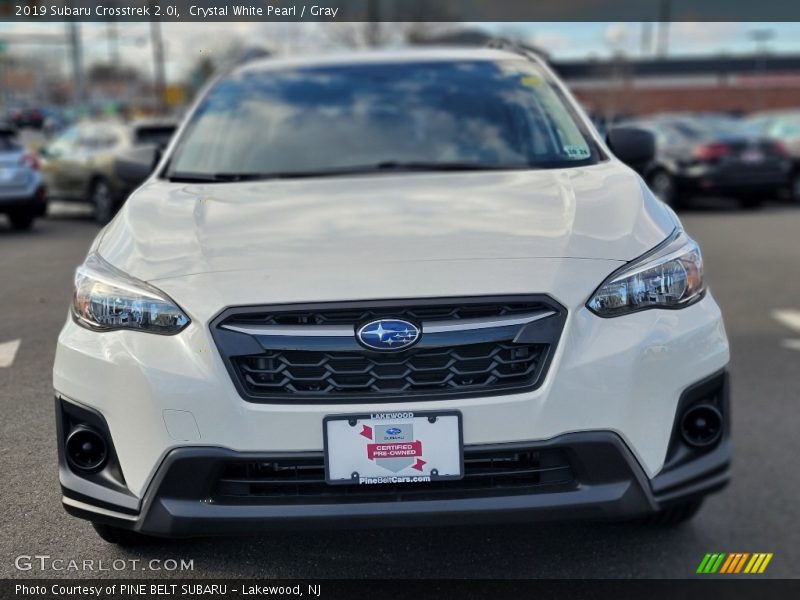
<point>753,264</point>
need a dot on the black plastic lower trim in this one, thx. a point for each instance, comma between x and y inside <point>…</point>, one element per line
<point>105,488</point>
<point>609,484</point>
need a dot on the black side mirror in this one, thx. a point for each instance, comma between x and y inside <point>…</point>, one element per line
<point>633,146</point>
<point>135,165</point>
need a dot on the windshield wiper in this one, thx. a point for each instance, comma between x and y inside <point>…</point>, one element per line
<point>399,166</point>
<point>442,166</point>
<point>213,177</point>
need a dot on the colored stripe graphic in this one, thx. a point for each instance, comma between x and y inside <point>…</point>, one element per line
<point>728,564</point>
<point>752,563</point>
<point>711,563</point>
<point>735,562</point>
<point>741,562</point>
<point>764,564</point>
<point>703,563</point>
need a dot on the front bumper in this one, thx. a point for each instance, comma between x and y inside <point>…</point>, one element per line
<point>30,201</point>
<point>731,181</point>
<point>609,484</point>
<point>585,475</point>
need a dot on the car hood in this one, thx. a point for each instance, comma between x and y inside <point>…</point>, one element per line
<point>169,230</point>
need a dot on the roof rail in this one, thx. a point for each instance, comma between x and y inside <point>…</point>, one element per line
<point>516,47</point>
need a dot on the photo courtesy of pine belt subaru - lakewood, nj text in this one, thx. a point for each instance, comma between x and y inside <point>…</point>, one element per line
<point>390,288</point>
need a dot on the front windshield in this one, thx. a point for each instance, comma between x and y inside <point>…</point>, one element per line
<point>325,119</point>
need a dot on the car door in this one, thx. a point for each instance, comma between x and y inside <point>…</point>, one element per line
<point>59,163</point>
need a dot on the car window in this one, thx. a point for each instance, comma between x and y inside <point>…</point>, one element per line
<point>64,142</point>
<point>159,136</point>
<point>98,137</point>
<point>318,119</point>
<point>786,127</point>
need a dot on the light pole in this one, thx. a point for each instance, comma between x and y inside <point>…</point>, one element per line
<point>761,38</point>
<point>74,36</point>
<point>158,63</point>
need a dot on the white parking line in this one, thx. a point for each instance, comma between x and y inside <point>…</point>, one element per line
<point>791,344</point>
<point>791,319</point>
<point>8,351</point>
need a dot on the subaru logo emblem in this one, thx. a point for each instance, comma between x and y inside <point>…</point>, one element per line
<point>394,430</point>
<point>388,334</point>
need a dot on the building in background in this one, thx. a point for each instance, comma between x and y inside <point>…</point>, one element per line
<point>733,84</point>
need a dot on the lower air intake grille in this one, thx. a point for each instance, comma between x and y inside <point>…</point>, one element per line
<point>486,472</point>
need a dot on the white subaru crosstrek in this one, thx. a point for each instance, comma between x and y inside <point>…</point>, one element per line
<point>390,289</point>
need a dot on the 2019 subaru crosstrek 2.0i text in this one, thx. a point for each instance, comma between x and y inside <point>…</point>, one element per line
<point>389,289</point>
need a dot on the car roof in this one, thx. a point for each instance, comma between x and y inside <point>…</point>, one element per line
<point>405,55</point>
<point>154,122</point>
<point>777,113</point>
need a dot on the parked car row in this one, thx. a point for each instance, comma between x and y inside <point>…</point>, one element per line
<point>76,166</point>
<point>717,155</point>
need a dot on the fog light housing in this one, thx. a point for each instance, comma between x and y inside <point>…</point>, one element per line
<point>701,425</point>
<point>86,449</point>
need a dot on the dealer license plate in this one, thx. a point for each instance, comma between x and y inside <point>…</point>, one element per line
<point>393,447</point>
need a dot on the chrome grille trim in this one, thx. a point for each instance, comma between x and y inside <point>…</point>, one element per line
<point>427,327</point>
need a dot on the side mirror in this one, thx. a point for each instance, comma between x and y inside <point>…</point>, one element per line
<point>135,165</point>
<point>633,146</point>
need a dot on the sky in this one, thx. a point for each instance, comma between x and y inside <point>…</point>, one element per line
<point>188,42</point>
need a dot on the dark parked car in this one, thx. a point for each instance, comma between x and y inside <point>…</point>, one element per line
<point>22,193</point>
<point>27,117</point>
<point>784,127</point>
<point>713,155</point>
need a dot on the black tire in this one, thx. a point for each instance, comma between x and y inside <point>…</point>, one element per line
<point>794,188</point>
<point>119,536</point>
<point>664,187</point>
<point>751,202</point>
<point>676,514</point>
<point>104,204</point>
<point>21,221</point>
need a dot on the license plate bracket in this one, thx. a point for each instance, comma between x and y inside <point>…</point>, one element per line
<point>393,447</point>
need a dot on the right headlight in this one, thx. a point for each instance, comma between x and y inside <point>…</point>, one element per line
<point>106,299</point>
<point>669,276</point>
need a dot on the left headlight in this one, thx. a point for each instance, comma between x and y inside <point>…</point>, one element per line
<point>669,276</point>
<point>106,299</point>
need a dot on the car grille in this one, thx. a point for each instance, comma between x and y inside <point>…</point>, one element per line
<point>487,472</point>
<point>468,367</point>
<point>480,347</point>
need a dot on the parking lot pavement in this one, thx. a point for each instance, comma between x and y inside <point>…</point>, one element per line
<point>753,264</point>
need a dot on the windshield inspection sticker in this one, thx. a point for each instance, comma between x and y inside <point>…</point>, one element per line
<point>531,81</point>
<point>576,152</point>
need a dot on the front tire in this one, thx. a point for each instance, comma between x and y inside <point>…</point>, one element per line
<point>751,202</point>
<point>794,189</point>
<point>104,205</point>
<point>119,536</point>
<point>21,221</point>
<point>664,187</point>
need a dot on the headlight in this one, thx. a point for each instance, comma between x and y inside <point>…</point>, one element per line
<point>106,299</point>
<point>669,276</point>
